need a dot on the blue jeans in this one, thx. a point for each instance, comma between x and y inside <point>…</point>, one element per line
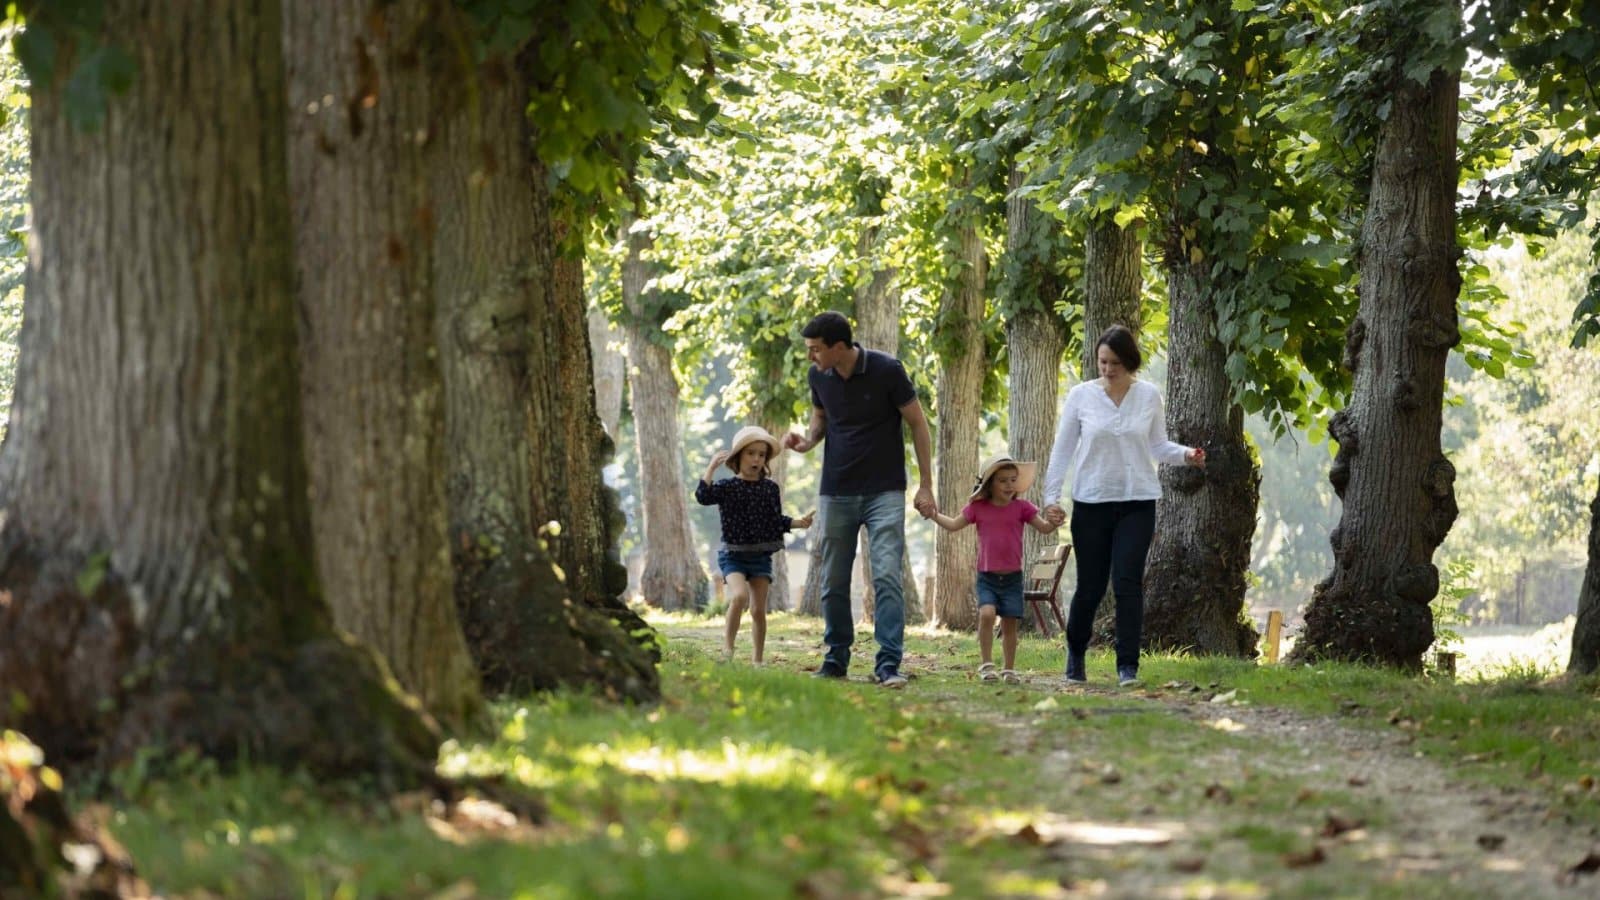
<point>884,515</point>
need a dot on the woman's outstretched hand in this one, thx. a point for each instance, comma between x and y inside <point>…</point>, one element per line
<point>1196,457</point>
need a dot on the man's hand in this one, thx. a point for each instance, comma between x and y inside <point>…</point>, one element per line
<point>798,442</point>
<point>1055,515</point>
<point>925,505</point>
<point>1196,457</point>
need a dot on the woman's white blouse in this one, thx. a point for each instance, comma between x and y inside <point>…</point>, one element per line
<point>1112,449</point>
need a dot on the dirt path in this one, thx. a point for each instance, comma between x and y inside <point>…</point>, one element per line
<point>1405,826</point>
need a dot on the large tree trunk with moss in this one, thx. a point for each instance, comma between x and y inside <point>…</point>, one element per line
<point>1036,339</point>
<point>570,444</point>
<point>1586,633</point>
<point>499,322</point>
<point>372,388</point>
<point>1195,580</point>
<point>673,577</point>
<point>963,360</point>
<point>156,553</point>
<point>1390,471</point>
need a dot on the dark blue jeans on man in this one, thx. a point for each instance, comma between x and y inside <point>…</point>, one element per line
<point>1111,542</point>
<point>842,517</point>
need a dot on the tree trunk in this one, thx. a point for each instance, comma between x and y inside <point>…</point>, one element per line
<point>571,447</point>
<point>372,388</point>
<point>960,402</point>
<point>673,578</point>
<point>610,369</point>
<point>1036,340</point>
<point>156,555</point>
<point>1586,633</point>
<point>1195,580</point>
<point>529,622</point>
<point>1111,286</point>
<point>1390,471</point>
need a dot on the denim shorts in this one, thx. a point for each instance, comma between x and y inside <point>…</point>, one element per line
<point>751,565</point>
<point>1001,591</point>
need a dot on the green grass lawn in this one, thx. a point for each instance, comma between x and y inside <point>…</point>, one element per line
<point>761,782</point>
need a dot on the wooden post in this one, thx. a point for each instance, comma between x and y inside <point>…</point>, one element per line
<point>1274,633</point>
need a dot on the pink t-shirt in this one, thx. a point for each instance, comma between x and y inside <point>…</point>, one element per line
<point>999,533</point>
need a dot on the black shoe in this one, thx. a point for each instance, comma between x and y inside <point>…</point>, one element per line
<point>826,671</point>
<point>1076,673</point>
<point>1127,676</point>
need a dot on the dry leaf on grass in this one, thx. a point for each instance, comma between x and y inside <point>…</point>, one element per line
<point>1312,857</point>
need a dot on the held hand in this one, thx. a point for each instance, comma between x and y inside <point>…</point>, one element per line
<point>805,520</point>
<point>1196,457</point>
<point>1055,515</point>
<point>925,504</point>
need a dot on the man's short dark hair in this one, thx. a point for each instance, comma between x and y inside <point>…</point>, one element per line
<point>1121,342</point>
<point>829,327</point>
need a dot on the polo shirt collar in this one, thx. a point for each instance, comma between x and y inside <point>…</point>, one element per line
<point>861,362</point>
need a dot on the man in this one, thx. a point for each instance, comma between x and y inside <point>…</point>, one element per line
<point>859,400</point>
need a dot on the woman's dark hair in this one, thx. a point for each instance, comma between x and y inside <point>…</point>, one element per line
<point>1121,342</point>
<point>829,327</point>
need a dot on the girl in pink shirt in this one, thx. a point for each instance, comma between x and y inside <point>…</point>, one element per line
<point>997,508</point>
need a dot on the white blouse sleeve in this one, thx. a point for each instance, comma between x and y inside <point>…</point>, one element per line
<point>1163,450</point>
<point>1068,430</point>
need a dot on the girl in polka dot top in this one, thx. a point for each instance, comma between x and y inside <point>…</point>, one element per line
<point>753,526</point>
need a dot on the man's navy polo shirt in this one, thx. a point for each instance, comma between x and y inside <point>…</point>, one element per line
<point>864,451</point>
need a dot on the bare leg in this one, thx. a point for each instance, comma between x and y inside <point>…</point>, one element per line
<point>758,618</point>
<point>738,591</point>
<point>1008,641</point>
<point>986,633</point>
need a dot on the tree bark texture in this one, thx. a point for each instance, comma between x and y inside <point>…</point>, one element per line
<point>371,383</point>
<point>673,577</point>
<point>499,324</point>
<point>964,359</point>
<point>1111,286</point>
<point>1195,578</point>
<point>1396,485</point>
<point>1586,632</point>
<point>1036,339</point>
<point>570,444</point>
<point>158,582</point>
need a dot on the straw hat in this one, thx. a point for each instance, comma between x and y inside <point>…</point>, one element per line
<point>749,435</point>
<point>1025,473</point>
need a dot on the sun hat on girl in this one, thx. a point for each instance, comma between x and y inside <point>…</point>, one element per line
<point>749,435</point>
<point>1025,474</point>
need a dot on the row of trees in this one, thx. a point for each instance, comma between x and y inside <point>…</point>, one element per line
<point>1316,186</point>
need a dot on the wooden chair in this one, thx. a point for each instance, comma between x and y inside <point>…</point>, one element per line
<point>1042,586</point>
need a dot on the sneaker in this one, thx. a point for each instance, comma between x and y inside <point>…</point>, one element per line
<point>1076,673</point>
<point>892,680</point>
<point>987,672</point>
<point>826,671</point>
<point>1010,676</point>
<point>1127,676</point>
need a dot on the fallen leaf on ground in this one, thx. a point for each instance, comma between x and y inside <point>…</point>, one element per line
<point>1586,866</point>
<point>1189,864</point>
<point>1356,781</point>
<point>1311,857</point>
<point>1336,825</point>
<point>1225,697</point>
<point>1218,793</point>
<point>1491,841</point>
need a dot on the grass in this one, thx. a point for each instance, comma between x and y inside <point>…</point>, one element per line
<point>749,782</point>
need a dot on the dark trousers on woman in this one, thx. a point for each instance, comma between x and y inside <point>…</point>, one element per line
<point>1110,541</point>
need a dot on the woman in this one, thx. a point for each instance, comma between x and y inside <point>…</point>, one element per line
<point>1112,432</point>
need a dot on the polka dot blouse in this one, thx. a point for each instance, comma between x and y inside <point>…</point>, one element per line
<point>752,516</point>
